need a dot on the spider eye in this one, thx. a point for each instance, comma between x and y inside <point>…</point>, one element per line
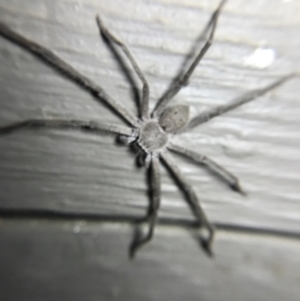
<point>174,118</point>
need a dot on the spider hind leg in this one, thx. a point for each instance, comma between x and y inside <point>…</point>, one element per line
<point>154,193</point>
<point>193,201</point>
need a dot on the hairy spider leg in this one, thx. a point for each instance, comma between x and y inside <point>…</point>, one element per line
<point>145,90</point>
<point>163,102</point>
<point>231,180</point>
<point>219,110</point>
<point>67,70</point>
<point>192,199</point>
<point>155,195</point>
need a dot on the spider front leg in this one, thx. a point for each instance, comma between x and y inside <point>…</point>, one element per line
<point>192,199</point>
<point>145,96</point>
<point>154,177</point>
<point>225,175</point>
<point>249,96</point>
<point>47,56</point>
<point>92,126</point>
<point>163,102</point>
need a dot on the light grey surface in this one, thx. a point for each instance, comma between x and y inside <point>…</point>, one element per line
<point>78,173</point>
<point>88,261</point>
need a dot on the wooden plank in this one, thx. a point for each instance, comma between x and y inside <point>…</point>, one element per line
<point>79,173</point>
<point>54,260</point>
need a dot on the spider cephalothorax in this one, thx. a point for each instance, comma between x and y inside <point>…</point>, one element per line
<point>151,134</point>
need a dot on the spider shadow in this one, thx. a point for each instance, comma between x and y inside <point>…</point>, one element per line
<point>125,69</point>
<point>187,61</point>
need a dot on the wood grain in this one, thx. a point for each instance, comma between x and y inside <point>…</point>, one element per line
<point>79,174</point>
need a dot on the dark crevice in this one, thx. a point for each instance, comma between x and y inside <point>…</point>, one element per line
<point>47,215</point>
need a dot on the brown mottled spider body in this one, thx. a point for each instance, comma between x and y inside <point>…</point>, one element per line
<point>152,133</point>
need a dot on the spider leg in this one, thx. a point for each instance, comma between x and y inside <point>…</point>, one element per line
<point>154,205</point>
<point>162,103</point>
<point>145,96</point>
<point>219,110</point>
<point>192,199</point>
<point>92,126</point>
<point>225,175</point>
<point>64,68</point>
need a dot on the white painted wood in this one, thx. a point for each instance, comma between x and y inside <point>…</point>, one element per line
<point>79,173</point>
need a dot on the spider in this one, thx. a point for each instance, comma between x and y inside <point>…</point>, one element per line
<point>152,132</point>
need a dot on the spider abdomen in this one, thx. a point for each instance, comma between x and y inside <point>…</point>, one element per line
<point>174,118</point>
<point>152,136</point>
